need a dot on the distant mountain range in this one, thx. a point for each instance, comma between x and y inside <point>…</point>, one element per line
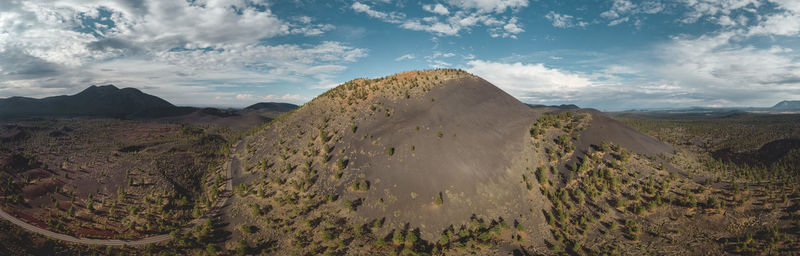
<point>272,107</point>
<point>110,101</point>
<point>106,100</point>
<point>787,105</point>
<point>562,106</point>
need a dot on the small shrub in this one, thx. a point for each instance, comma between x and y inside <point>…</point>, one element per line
<point>397,237</point>
<point>484,236</point>
<point>341,163</point>
<point>438,200</point>
<point>444,240</point>
<point>410,239</point>
<point>327,235</point>
<point>349,205</point>
<point>360,185</point>
<point>541,176</point>
<point>247,229</point>
<point>713,203</point>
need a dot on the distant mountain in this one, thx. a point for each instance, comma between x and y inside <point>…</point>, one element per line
<point>787,105</point>
<point>562,106</point>
<point>103,101</point>
<point>272,107</point>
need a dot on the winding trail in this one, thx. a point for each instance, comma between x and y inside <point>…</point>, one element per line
<point>233,162</point>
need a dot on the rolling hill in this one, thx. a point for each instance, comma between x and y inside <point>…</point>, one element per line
<point>103,101</point>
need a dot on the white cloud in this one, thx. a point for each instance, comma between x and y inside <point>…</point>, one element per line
<point>701,8</point>
<point>618,8</point>
<point>405,57</point>
<point>512,26</point>
<point>509,30</point>
<point>56,47</point>
<point>440,54</point>
<point>359,7</point>
<point>622,11</point>
<point>651,7</point>
<point>437,8</point>
<point>540,84</point>
<point>789,5</point>
<point>289,59</point>
<point>286,98</point>
<point>435,27</point>
<point>564,20</point>
<point>722,68</point>
<point>326,84</point>
<point>497,6</point>
<point>452,23</point>
<point>779,24</point>
<point>617,69</point>
<point>435,60</point>
<point>522,80</point>
<point>726,21</point>
<point>618,21</point>
<point>392,17</point>
<point>244,96</point>
<point>439,64</point>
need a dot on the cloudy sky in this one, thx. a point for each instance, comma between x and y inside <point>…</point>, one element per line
<point>607,54</point>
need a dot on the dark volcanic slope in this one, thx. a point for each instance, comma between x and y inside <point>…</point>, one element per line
<point>272,107</point>
<point>482,130</point>
<point>408,138</point>
<point>107,101</point>
<point>604,128</point>
<point>411,136</point>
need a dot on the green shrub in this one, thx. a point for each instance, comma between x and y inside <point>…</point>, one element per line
<point>358,231</point>
<point>360,185</point>
<point>247,229</point>
<point>713,202</point>
<point>211,249</point>
<point>390,151</point>
<point>410,239</point>
<point>327,235</point>
<point>349,205</point>
<point>604,147</point>
<point>541,176</point>
<point>397,237</point>
<point>484,236</point>
<point>341,163</point>
<point>444,240</point>
<point>380,242</point>
<point>633,229</point>
<point>438,200</point>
